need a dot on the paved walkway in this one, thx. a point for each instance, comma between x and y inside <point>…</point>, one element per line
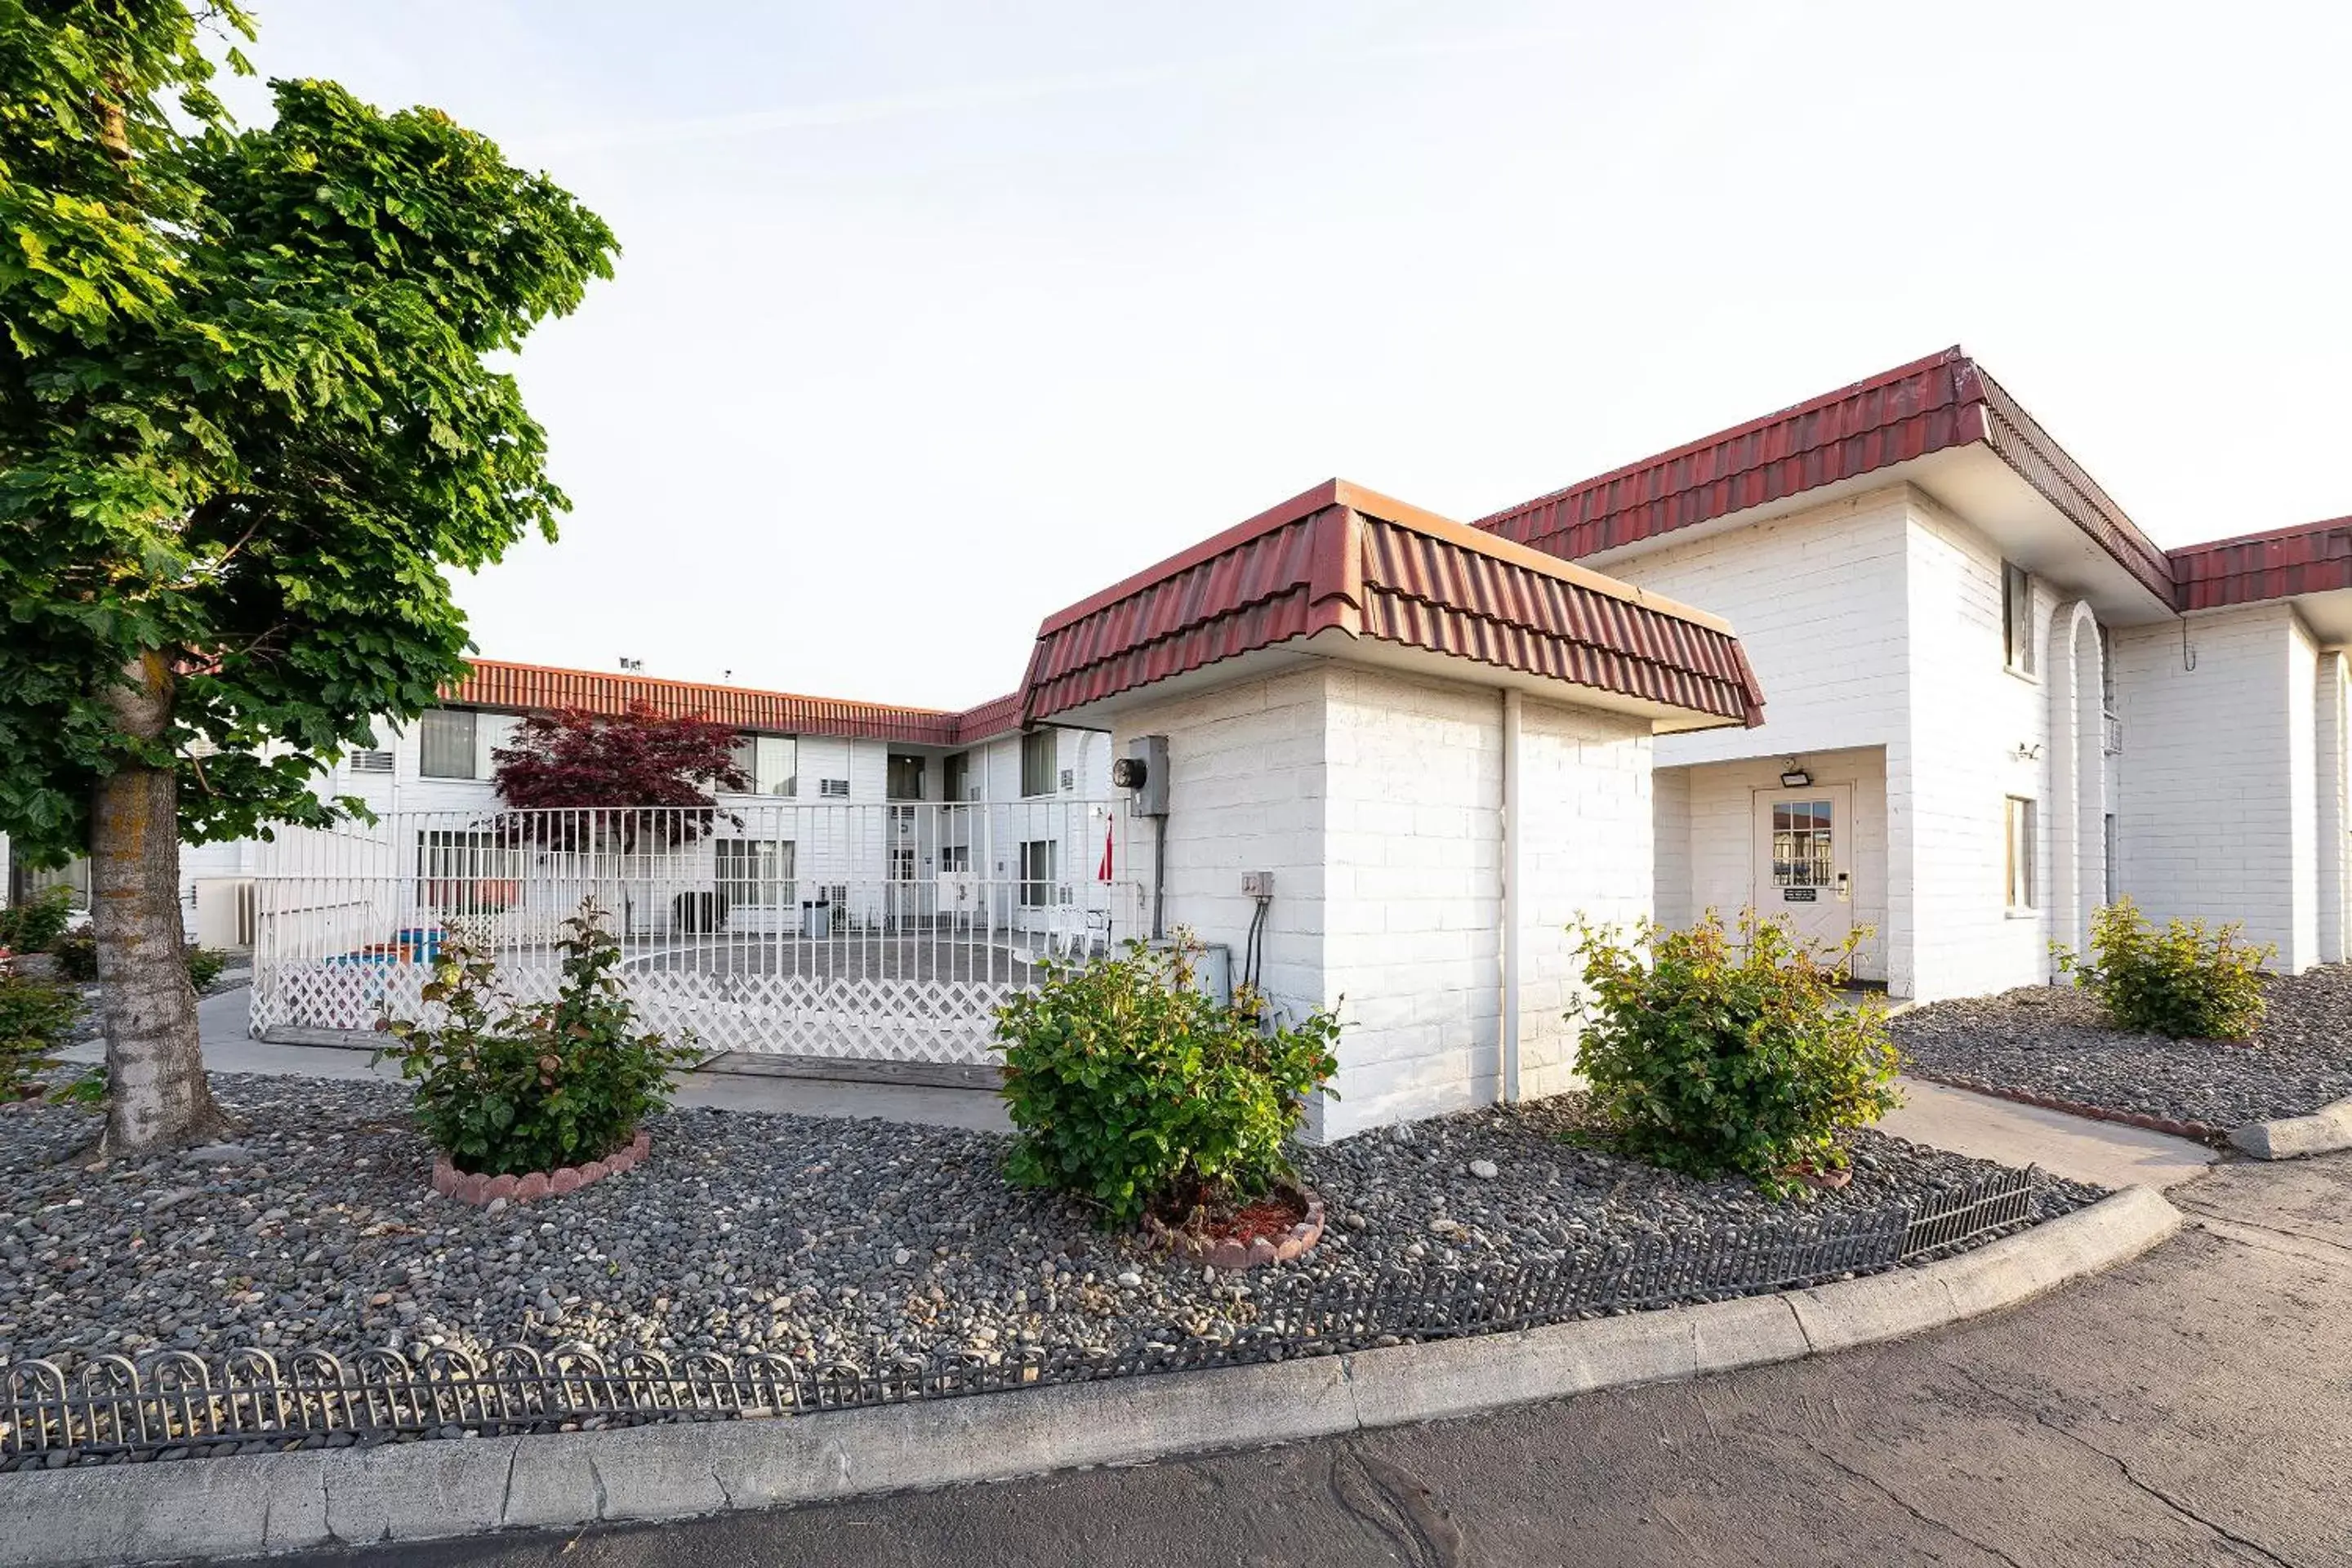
<point>2106,1152</point>
<point>222,1021</point>
<point>2193,1408</point>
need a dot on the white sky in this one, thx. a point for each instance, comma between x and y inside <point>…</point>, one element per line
<point>933,319</point>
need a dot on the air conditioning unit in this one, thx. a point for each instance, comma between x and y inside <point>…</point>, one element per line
<point>370,762</point>
<point>224,907</point>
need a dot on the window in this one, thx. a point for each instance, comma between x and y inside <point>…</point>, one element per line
<point>1040,859</point>
<point>770,762</point>
<point>1803,850</point>
<point>902,865</point>
<point>955,775</point>
<point>2016,619</point>
<point>906,776</point>
<point>755,873</point>
<point>1037,762</point>
<point>2114,877</point>
<point>446,739</point>
<point>955,857</point>
<point>2106,668</point>
<point>2020,858</point>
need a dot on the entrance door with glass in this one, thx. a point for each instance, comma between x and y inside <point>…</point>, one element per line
<point>1804,859</point>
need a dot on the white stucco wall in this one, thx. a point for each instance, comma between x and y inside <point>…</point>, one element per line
<point>1376,801</point>
<point>2220,812</point>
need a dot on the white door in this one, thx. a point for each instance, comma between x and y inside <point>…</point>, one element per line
<point>1804,859</point>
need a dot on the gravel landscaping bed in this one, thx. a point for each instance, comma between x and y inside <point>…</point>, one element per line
<point>2054,1041</point>
<point>812,1237</point>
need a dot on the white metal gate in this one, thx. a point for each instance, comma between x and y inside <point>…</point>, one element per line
<point>881,931</point>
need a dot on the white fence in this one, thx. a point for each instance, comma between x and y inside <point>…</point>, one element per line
<point>886,932</point>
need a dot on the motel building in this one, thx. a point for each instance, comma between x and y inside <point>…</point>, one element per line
<point>1888,659</point>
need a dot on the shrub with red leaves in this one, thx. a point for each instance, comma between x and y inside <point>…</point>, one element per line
<point>642,759</point>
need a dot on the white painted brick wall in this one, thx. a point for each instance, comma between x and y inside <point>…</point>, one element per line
<point>2330,824</point>
<point>1375,799</point>
<point>1586,813</point>
<point>1673,902</point>
<point>1245,792</point>
<point>1971,714</point>
<point>2218,813</point>
<point>1718,851</point>
<point>1818,601</point>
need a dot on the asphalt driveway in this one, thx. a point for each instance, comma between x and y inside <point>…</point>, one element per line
<point>2194,1407</point>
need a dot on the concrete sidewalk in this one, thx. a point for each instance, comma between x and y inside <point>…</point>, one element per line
<point>222,1021</point>
<point>2104,1152</point>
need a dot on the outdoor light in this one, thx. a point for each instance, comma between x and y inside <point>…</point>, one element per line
<point>1793,776</point>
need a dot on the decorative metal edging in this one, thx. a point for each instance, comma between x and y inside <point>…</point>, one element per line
<point>178,1403</point>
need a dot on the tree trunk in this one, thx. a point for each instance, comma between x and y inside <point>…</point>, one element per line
<point>157,1095</point>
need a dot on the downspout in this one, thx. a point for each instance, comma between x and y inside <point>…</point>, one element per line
<point>1514,851</point>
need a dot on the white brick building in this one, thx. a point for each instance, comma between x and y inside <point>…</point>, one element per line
<point>1993,704</point>
<point>1994,700</point>
<point>1438,747</point>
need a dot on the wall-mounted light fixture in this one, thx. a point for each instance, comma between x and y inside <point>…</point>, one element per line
<point>1794,776</point>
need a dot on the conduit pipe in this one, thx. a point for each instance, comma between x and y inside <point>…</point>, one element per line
<point>1514,865</point>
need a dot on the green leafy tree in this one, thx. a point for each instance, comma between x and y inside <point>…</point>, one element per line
<point>247,417</point>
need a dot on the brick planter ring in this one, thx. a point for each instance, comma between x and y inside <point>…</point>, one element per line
<point>478,1190</point>
<point>1229,1254</point>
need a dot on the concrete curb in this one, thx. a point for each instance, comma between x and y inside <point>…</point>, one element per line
<point>414,1491</point>
<point>2326,1128</point>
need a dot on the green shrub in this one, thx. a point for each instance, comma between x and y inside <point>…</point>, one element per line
<point>533,1089</point>
<point>2183,982</point>
<point>33,925</point>
<point>1712,1052</point>
<point>77,954</point>
<point>35,1019</point>
<point>1133,1091</point>
<point>205,965</point>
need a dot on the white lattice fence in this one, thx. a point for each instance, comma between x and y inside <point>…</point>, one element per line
<point>765,932</point>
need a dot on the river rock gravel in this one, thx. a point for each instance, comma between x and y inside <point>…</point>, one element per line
<point>816,1238</point>
<point>2055,1041</point>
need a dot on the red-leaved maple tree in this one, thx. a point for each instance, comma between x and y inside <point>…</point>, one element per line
<point>638,775</point>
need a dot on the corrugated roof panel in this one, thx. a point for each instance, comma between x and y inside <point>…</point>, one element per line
<point>532,688</point>
<point>1330,558</point>
<point>2314,558</point>
<point>1928,405</point>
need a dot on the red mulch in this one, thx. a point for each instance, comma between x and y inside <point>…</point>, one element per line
<point>1270,1216</point>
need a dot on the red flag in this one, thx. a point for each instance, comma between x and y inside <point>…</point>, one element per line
<point>1102,872</point>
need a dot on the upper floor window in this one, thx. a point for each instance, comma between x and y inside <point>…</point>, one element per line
<point>770,761</point>
<point>955,776</point>
<point>906,776</point>
<point>1037,762</point>
<point>2016,619</point>
<point>446,745</point>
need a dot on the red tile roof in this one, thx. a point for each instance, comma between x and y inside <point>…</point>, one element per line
<point>1928,405</point>
<point>2310,558</point>
<point>1343,558</point>
<point>534,688</point>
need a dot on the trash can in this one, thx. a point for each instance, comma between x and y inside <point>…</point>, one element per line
<point>816,918</point>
